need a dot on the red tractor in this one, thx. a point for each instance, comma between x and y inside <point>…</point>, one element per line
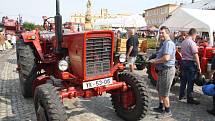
<point>54,65</point>
<point>205,56</point>
<point>10,25</point>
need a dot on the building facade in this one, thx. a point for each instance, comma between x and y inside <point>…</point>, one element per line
<point>157,15</point>
<point>80,18</point>
<point>104,14</point>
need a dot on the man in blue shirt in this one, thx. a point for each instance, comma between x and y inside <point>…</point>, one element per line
<point>165,65</point>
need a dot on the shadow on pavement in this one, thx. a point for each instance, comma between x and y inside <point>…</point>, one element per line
<point>13,106</point>
<point>102,107</point>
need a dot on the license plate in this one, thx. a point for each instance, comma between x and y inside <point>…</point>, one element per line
<point>97,83</point>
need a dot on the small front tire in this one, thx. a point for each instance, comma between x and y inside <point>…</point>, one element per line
<point>131,105</point>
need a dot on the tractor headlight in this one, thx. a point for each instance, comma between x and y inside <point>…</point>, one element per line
<point>122,58</point>
<point>63,65</point>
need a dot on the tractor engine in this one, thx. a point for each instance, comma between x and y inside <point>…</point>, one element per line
<point>90,53</point>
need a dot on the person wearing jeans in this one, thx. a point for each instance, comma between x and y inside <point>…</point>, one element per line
<point>190,66</point>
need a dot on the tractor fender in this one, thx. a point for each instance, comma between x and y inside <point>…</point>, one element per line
<point>35,41</point>
<point>178,55</point>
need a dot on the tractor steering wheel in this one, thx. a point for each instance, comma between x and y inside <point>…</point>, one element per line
<point>47,24</point>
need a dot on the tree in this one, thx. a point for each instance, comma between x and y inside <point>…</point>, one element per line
<point>28,26</point>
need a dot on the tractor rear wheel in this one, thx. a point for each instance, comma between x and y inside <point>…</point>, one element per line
<point>132,104</point>
<point>27,64</point>
<point>48,105</point>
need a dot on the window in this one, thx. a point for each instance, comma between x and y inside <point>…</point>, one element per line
<point>146,14</point>
<point>163,10</point>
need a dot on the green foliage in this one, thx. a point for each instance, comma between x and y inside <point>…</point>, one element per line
<point>28,26</point>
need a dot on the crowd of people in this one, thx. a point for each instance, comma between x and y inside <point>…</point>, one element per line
<point>178,37</point>
<point>165,66</point>
<point>7,41</point>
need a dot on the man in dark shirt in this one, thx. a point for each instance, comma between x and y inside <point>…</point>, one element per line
<point>131,49</point>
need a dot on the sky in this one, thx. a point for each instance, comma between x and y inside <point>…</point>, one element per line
<point>33,10</point>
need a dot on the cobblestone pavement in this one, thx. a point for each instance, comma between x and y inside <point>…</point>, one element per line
<point>13,107</point>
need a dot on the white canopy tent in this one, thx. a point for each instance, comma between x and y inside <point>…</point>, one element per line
<point>128,21</point>
<point>134,21</point>
<point>183,19</point>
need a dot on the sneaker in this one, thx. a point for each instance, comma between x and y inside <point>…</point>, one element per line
<point>211,112</point>
<point>164,115</point>
<point>193,101</point>
<point>158,110</point>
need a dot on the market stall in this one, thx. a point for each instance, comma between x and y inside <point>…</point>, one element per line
<point>182,19</point>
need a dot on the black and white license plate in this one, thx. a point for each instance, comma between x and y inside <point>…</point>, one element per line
<point>97,83</point>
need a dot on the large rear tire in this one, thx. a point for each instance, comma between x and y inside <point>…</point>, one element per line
<point>48,105</point>
<point>26,61</point>
<point>131,105</point>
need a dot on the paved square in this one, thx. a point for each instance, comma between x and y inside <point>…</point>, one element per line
<point>13,107</point>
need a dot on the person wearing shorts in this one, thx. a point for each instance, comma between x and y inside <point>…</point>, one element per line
<point>165,66</point>
<point>131,49</point>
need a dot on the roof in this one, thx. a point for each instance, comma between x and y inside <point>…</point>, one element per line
<point>161,6</point>
<point>203,4</point>
<point>183,19</point>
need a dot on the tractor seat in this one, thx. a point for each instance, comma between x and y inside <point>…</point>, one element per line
<point>47,35</point>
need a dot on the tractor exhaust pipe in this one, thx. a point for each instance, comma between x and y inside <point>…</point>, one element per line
<point>58,27</point>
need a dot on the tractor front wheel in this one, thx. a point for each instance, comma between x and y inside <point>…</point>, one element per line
<point>131,105</point>
<point>48,105</point>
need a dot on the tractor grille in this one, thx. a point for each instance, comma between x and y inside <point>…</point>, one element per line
<point>98,56</point>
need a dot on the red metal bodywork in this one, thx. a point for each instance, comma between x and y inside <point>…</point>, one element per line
<point>73,92</point>
<point>76,44</point>
<point>73,78</point>
<point>36,42</point>
<point>74,26</point>
<point>205,55</point>
<point>11,26</point>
